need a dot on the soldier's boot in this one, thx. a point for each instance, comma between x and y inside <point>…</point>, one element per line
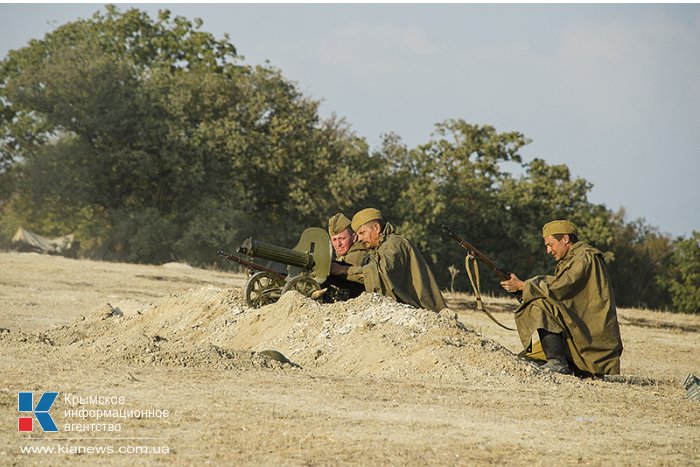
<point>553,348</point>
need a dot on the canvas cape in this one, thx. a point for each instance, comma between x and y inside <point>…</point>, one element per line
<point>397,269</point>
<point>579,299</point>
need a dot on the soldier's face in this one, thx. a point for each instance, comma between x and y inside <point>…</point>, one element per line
<point>368,234</point>
<point>342,242</point>
<point>557,248</point>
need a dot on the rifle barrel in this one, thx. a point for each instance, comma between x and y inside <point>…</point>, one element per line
<point>500,272</point>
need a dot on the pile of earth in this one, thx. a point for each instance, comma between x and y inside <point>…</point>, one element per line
<point>212,327</point>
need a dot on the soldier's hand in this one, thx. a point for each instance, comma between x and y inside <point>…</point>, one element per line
<point>513,284</point>
<point>339,269</point>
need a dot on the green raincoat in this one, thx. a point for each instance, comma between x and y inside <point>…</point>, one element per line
<point>398,270</point>
<point>577,301</point>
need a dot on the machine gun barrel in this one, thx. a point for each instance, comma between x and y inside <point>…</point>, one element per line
<point>256,249</point>
<point>250,264</point>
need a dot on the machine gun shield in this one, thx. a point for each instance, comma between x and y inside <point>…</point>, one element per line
<point>316,242</point>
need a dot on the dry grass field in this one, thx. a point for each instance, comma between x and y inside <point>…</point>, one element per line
<point>161,365</point>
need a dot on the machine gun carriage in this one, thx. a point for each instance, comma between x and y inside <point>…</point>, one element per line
<point>308,265</point>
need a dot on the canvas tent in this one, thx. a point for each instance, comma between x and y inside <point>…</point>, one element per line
<point>29,241</point>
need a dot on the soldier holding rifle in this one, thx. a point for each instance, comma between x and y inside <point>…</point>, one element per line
<point>573,312</point>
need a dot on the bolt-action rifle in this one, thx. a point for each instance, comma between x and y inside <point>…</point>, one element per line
<point>500,272</point>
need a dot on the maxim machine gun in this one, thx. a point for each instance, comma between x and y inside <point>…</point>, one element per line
<point>308,265</point>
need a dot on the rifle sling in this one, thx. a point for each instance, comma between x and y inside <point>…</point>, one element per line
<point>476,287</point>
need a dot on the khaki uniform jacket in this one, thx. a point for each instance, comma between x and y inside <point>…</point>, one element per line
<point>579,299</point>
<point>398,270</point>
<point>355,256</point>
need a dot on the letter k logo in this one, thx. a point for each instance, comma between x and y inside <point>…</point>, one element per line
<point>25,403</point>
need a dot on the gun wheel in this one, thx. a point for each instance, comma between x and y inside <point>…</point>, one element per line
<point>302,284</point>
<point>263,288</point>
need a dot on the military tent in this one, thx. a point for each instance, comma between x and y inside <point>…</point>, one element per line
<point>29,241</point>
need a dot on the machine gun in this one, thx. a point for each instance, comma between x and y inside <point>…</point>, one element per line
<point>308,266</point>
<point>249,264</point>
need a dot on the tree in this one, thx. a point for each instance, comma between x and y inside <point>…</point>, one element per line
<point>453,179</point>
<point>683,276</point>
<point>150,139</point>
<point>86,100</point>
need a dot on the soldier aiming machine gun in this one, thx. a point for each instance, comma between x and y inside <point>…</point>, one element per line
<point>308,266</point>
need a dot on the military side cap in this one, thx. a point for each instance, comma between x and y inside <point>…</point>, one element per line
<point>337,224</point>
<point>559,227</point>
<point>364,216</point>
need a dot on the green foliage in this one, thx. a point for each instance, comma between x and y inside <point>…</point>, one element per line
<point>152,142</point>
<point>545,192</point>
<point>640,255</point>
<point>453,180</point>
<point>683,278</point>
<point>143,235</point>
<point>212,226</point>
<point>130,129</point>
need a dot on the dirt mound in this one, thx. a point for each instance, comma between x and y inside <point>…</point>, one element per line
<point>374,335</point>
<point>179,331</point>
<point>369,335</point>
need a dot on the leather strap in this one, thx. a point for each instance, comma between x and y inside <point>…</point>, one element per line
<point>475,282</point>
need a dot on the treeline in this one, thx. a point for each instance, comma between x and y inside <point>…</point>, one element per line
<point>152,141</point>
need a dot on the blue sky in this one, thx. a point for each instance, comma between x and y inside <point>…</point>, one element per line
<point>613,91</point>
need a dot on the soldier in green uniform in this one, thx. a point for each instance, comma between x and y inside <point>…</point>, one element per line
<point>348,252</point>
<point>573,311</point>
<point>344,240</point>
<point>394,267</point>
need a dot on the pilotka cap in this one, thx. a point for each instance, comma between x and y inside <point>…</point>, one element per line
<point>364,216</point>
<point>337,224</point>
<point>559,227</point>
